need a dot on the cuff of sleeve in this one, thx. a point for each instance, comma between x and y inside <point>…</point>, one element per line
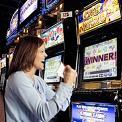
<point>66,85</point>
<point>63,94</point>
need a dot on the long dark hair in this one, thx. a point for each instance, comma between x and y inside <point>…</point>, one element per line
<point>25,53</point>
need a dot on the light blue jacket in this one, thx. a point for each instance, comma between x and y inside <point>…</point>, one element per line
<point>33,101</point>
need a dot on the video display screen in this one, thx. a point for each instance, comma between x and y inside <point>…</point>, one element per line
<point>97,14</point>
<point>100,60</point>
<point>54,35</point>
<point>51,66</point>
<point>27,9</point>
<point>93,112</point>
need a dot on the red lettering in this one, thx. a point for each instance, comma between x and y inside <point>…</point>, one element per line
<point>106,57</point>
<point>99,58</point>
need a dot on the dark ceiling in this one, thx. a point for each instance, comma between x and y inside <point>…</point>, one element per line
<point>7,8</point>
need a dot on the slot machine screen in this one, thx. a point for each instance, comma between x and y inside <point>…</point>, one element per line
<point>51,66</point>
<point>98,14</point>
<point>93,112</point>
<point>100,60</point>
<point>53,35</point>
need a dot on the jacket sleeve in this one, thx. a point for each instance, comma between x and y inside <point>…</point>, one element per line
<point>34,101</point>
<point>50,94</point>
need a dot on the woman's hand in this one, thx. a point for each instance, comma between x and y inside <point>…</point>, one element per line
<point>69,75</point>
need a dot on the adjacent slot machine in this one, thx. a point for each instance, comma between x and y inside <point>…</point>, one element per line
<point>100,62</point>
<point>59,47</point>
<point>54,41</point>
<point>99,25</point>
<point>100,59</point>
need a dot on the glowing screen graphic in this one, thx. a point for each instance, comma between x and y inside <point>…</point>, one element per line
<point>51,67</point>
<point>27,9</point>
<point>93,112</point>
<point>98,14</point>
<point>100,60</point>
<point>54,35</point>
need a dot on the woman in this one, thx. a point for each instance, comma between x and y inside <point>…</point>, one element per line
<point>27,97</point>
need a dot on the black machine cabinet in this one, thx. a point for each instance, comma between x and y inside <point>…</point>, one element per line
<point>70,49</point>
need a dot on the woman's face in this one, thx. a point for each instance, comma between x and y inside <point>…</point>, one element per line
<point>40,58</point>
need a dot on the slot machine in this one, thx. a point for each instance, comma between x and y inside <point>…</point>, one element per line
<point>99,64</point>
<point>61,46</point>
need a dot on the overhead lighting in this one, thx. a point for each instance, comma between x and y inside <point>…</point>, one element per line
<point>39,35</point>
<point>61,6</point>
<point>40,22</point>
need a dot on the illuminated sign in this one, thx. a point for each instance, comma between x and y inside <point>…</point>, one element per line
<point>53,36</point>
<point>67,14</point>
<point>27,9</point>
<point>93,112</point>
<point>99,14</point>
<point>50,4</point>
<point>14,22</point>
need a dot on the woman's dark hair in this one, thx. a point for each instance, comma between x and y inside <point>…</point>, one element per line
<point>25,53</point>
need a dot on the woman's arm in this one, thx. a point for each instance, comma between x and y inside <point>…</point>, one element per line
<point>50,94</point>
<point>44,110</point>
